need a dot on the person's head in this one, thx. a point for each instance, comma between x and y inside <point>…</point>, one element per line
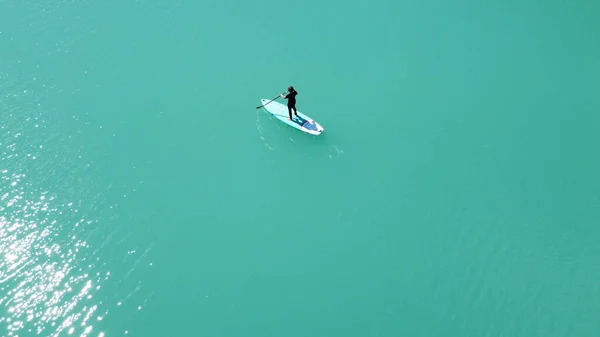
<point>290,88</point>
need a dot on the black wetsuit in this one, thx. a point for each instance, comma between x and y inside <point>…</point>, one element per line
<point>291,97</point>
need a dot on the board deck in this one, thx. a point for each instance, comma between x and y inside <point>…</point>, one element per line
<point>301,122</point>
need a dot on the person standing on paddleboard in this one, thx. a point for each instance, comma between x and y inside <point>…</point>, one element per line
<point>290,95</point>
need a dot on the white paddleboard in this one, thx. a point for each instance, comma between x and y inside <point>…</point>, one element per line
<point>300,122</point>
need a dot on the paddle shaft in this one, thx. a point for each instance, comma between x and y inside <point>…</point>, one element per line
<point>258,107</point>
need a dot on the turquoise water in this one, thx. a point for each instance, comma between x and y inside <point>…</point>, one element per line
<point>454,192</point>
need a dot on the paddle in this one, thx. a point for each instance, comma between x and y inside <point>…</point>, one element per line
<point>260,106</point>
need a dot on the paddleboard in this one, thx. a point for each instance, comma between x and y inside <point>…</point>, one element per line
<point>301,122</point>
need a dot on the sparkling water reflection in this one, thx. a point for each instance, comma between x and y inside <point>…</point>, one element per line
<point>44,288</point>
<point>48,272</point>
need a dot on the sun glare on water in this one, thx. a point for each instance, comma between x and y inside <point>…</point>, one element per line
<point>44,288</point>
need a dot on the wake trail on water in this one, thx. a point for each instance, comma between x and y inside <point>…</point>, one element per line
<point>260,130</point>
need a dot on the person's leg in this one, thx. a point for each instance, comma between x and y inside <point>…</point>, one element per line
<point>290,111</point>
